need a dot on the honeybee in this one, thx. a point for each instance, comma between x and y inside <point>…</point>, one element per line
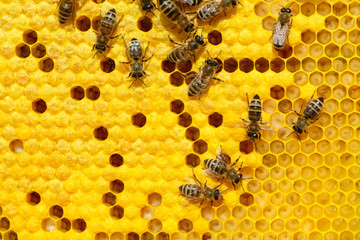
<point>66,8</point>
<point>255,118</point>
<point>221,169</point>
<point>190,3</point>
<point>310,115</point>
<point>195,193</point>
<point>107,28</point>
<point>174,14</point>
<point>201,80</point>
<point>147,6</point>
<point>281,28</point>
<point>214,8</point>
<point>183,52</point>
<point>136,59</point>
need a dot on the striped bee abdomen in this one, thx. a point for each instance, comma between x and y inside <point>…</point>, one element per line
<point>108,22</point>
<point>65,10</point>
<point>255,109</point>
<point>170,10</point>
<point>216,166</point>
<point>208,11</point>
<point>178,55</point>
<point>197,87</point>
<point>190,190</point>
<point>314,108</point>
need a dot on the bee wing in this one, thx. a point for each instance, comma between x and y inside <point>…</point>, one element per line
<point>280,33</point>
<point>222,156</point>
<point>268,128</point>
<point>207,172</point>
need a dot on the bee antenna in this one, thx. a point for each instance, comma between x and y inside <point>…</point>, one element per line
<point>224,191</point>
<point>95,54</point>
<point>208,54</point>
<point>217,186</point>
<point>290,134</point>
<point>255,145</point>
<point>282,6</point>
<point>242,186</point>
<point>240,166</point>
<point>290,5</point>
<point>219,53</point>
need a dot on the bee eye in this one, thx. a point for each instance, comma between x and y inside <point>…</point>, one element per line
<point>288,10</point>
<point>233,3</point>
<point>283,10</point>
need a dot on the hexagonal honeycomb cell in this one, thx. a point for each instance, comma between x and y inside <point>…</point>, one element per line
<point>83,156</point>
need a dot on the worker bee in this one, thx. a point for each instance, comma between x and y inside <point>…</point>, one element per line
<point>183,52</point>
<point>190,3</point>
<point>201,80</point>
<point>255,119</point>
<point>107,28</point>
<point>147,6</point>
<point>214,8</point>
<point>281,28</point>
<point>136,59</point>
<point>310,115</point>
<point>66,8</point>
<point>221,169</point>
<point>195,193</point>
<point>174,14</point>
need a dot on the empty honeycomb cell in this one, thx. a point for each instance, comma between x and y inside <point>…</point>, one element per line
<point>323,198</point>
<point>277,199</point>
<point>324,64</point>
<point>208,212</point>
<point>22,50</point>
<point>46,65</point>
<point>268,23</point>
<point>285,52</point>
<point>338,172</point>
<point>215,37</point>
<point>48,225</point>
<point>339,36</point>
<point>324,91</point>
<point>117,212</point>
<point>155,225</point>
<point>292,172</point>
<point>300,211</point>
<point>179,236</point>
<point>192,160</point>
<point>269,106</point>
<point>261,173</point>
<point>354,172</point>
<point>316,78</point>
<point>346,185</point>
<point>277,65</point>
<point>339,64</point>
<point>33,198</point>
<point>269,160</point>
<point>354,119</point>
<point>132,236</point>
<point>254,186</point>
<point>144,24</point>
<point>230,65</point>
<point>215,225</point>
<point>285,186</point>
<point>332,78</point>
<point>154,199</point>
<point>300,78</point>
<point>347,159</point>
<point>231,226</point>
<point>354,36</point>
<point>254,212</point>
<point>308,9</point>
<point>339,224</point>
<point>116,186</point>
<point>331,106</point>
<point>38,50</point>
<point>176,79</point>
<point>138,120</point>
<point>246,226</point>
<point>354,8</point>
<point>339,9</point>
<point>285,211</point>
<point>101,236</point>
<point>339,119</point>
<point>339,91</point>
<point>167,66</point>
<point>277,225</point>
<point>285,106</point>
<point>347,22</point>
<point>185,67</point>
<point>293,64</point>
<point>10,235</point>
<point>177,106</point>
<point>185,120</point>
<point>261,9</point>
<point>262,65</point>
<point>83,23</point>
<point>246,65</point>
<point>262,225</point>
<point>277,173</point>
<point>354,146</point>
<point>246,146</point>
<point>39,106</point>
<point>308,37</point>
<point>308,172</point>
<point>346,235</point>
<point>331,23</point>
<point>30,36</point>
<point>77,93</point>
<point>293,198</point>
<point>347,105</point>
<point>95,23</point>
<point>354,64</point>
<point>331,133</point>
<point>4,224</point>
<point>315,185</point>
<point>165,236</point>
<point>308,64</point>
<point>107,65</point>
<point>308,146</point>
<point>315,132</point>
<point>16,146</point>
<point>109,199</point>
<point>63,225</point>
<point>316,50</point>
<point>56,212</point>
<point>284,160</point>
<point>323,172</point>
<point>147,212</point>
<point>323,8</point>
<point>246,199</point>
<point>185,225</point>
<point>308,198</point>
<point>101,133</point>
<point>354,92</point>
<point>269,212</point>
<point>200,146</point>
<point>269,186</point>
<point>192,133</point>
<point>116,160</point>
<point>223,213</point>
<point>215,119</point>
<point>277,92</point>
<point>79,225</point>
<point>348,50</point>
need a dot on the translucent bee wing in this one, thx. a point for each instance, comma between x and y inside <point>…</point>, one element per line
<point>207,172</point>
<point>221,156</point>
<point>268,128</point>
<point>280,33</point>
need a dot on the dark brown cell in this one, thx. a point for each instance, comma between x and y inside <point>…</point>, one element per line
<point>39,106</point>
<point>293,64</point>
<point>200,146</point>
<point>230,65</point>
<point>101,133</point>
<point>116,160</point>
<point>101,236</point>
<point>185,225</point>
<point>132,236</point>
<point>95,23</point>
<point>214,37</point>
<point>4,224</point>
<point>46,65</point>
<point>79,225</point>
<point>277,92</point>
<point>147,236</point>
<point>220,65</point>
<point>176,79</point>
<point>324,64</point>
<point>22,50</point>
<point>277,65</point>
<point>138,120</point>
<point>246,199</point>
<point>98,1</point>
<point>185,120</point>
<point>192,133</point>
<point>107,65</point>
<point>83,23</point>
<point>117,212</point>
<point>246,146</point>
<point>215,119</point>
<point>167,66</point>
<point>144,24</point>
<point>16,146</point>
<point>64,225</point>
<point>285,106</point>
<point>10,235</point>
<point>246,65</point>
<point>339,9</point>
<point>109,199</point>
<point>177,106</point>
<point>93,93</point>
<point>262,65</point>
<point>77,93</point>
<point>56,212</point>
<point>30,36</point>
<point>162,236</point>
<point>189,79</point>
<point>185,67</point>
<point>192,160</point>
<point>286,51</point>
<point>117,186</point>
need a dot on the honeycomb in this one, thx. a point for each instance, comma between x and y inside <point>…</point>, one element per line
<point>85,157</point>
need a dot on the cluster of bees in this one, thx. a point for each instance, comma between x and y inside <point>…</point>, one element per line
<point>221,167</point>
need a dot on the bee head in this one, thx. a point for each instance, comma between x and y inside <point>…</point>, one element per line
<point>238,178</point>
<point>199,40</point>
<point>137,75</point>
<point>297,129</point>
<point>234,2</point>
<point>212,62</point>
<point>100,48</point>
<point>217,194</point>
<point>286,10</point>
<point>147,7</point>
<point>253,135</point>
<point>189,27</point>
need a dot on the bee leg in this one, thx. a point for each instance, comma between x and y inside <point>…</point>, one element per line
<point>197,179</point>
<point>259,136</point>
<point>218,79</point>
<point>242,186</point>
<point>235,161</point>
<point>233,184</point>
<point>212,202</point>
<point>244,120</point>
<point>193,55</point>
<point>73,13</point>
<point>115,36</point>
<point>201,202</point>
<point>125,62</point>
<point>129,75</point>
<point>173,42</point>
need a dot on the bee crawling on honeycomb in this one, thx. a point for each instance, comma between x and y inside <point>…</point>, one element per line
<point>66,8</point>
<point>281,28</point>
<point>147,6</point>
<point>199,193</point>
<point>220,168</point>
<point>311,114</point>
